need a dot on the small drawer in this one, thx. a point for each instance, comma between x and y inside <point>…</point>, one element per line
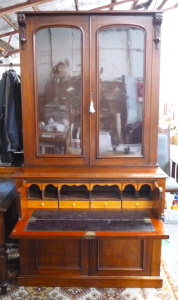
<point>106,204</point>
<point>74,204</point>
<point>42,204</point>
<point>140,204</point>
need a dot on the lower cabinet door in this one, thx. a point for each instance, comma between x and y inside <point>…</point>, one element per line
<point>87,257</point>
<point>121,257</point>
<point>64,256</point>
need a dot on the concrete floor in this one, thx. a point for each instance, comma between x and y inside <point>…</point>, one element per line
<point>173,234</point>
<point>170,247</point>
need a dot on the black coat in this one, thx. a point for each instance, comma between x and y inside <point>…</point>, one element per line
<point>10,116</point>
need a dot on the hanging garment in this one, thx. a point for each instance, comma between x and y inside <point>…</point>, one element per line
<point>11,116</point>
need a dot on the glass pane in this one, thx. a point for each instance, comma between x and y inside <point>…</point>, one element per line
<point>58,52</point>
<point>121,96</point>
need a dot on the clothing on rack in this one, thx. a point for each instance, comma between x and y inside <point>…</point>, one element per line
<point>10,116</point>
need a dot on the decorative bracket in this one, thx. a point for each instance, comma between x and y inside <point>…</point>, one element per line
<point>157,20</point>
<point>160,192</point>
<point>22,30</point>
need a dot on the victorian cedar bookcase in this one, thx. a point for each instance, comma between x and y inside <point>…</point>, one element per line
<point>90,193</point>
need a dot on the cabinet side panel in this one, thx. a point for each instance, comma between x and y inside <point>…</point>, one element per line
<point>156,258</point>
<point>27,255</point>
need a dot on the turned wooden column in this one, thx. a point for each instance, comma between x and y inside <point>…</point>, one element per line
<point>8,218</point>
<point>3,261</point>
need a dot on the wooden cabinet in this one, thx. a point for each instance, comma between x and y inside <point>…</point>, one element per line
<point>90,262</point>
<point>90,193</point>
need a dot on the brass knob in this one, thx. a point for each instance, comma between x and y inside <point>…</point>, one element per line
<point>105,204</point>
<point>73,204</point>
<point>137,204</point>
<point>42,204</point>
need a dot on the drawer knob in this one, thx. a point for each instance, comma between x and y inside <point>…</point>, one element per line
<point>73,204</point>
<point>42,204</point>
<point>137,204</point>
<point>105,204</point>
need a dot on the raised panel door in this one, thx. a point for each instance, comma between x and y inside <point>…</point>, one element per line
<point>62,257</point>
<point>117,257</point>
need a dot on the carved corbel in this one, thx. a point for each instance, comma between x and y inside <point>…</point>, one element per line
<point>160,192</point>
<point>157,20</point>
<point>156,184</point>
<point>22,30</point>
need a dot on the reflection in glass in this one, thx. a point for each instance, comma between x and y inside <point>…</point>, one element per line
<point>121,72</point>
<point>58,57</point>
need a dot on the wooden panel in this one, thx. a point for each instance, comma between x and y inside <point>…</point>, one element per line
<point>57,269</point>
<point>8,172</point>
<point>140,204</point>
<point>27,261</point>
<point>24,202</point>
<point>122,257</point>
<point>156,257</point>
<point>106,204</point>
<point>42,204</point>
<point>74,204</point>
<point>59,256</point>
<point>92,281</point>
<point>23,191</point>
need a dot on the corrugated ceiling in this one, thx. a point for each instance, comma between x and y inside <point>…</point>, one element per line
<point>9,40</point>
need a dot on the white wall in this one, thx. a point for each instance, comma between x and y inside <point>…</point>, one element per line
<point>169,60</point>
